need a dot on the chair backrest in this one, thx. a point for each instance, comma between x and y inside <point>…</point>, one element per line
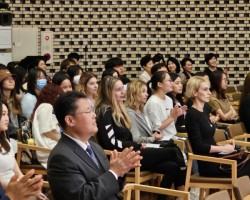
<point>240,88</point>
<point>236,96</point>
<point>219,135</point>
<point>230,89</point>
<point>221,195</point>
<point>241,187</point>
<point>236,129</point>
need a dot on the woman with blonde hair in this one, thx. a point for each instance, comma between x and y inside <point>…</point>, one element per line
<point>88,85</point>
<point>201,130</point>
<point>113,133</point>
<point>141,127</point>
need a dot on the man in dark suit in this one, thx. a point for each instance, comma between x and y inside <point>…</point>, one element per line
<point>77,167</point>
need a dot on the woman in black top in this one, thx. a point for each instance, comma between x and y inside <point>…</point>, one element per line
<point>113,133</point>
<point>201,131</point>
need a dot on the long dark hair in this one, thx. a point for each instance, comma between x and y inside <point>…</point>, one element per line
<point>246,88</point>
<point>215,81</point>
<point>3,138</point>
<point>178,97</point>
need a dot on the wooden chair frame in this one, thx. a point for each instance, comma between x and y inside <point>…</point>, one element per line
<point>156,190</point>
<point>25,168</point>
<point>139,176</point>
<point>198,181</point>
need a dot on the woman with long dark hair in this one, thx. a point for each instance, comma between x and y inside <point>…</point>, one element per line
<point>8,164</point>
<point>218,101</point>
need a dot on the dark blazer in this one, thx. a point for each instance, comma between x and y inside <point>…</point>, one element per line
<point>73,175</point>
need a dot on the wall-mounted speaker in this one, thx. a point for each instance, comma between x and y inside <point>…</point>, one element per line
<point>5,18</point>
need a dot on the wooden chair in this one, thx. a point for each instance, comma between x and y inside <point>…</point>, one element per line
<point>26,167</point>
<point>150,189</point>
<point>241,187</point>
<point>240,88</point>
<point>237,131</point>
<point>198,181</point>
<point>236,96</point>
<point>139,177</point>
<point>231,89</point>
<point>221,195</point>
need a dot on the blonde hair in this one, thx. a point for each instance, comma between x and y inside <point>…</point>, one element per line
<point>134,90</point>
<point>83,81</point>
<point>193,84</point>
<point>106,99</point>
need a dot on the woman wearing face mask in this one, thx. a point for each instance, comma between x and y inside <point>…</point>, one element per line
<point>35,82</point>
<point>88,85</point>
<point>75,73</point>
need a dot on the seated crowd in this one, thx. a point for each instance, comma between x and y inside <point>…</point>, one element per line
<point>71,110</point>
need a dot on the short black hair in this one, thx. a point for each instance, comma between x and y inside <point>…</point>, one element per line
<point>157,58</point>
<point>66,63</point>
<point>109,72</point>
<point>73,71</point>
<point>74,55</point>
<point>210,56</point>
<point>184,60</point>
<point>113,62</point>
<point>145,60</point>
<point>156,67</point>
<point>65,105</point>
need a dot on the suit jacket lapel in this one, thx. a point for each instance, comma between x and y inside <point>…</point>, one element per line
<point>79,151</point>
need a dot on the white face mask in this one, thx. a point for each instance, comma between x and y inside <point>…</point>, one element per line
<point>76,79</point>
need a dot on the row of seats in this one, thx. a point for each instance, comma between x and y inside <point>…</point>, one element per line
<point>192,181</point>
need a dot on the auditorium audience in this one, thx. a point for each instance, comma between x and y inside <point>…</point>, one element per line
<point>141,127</point>
<point>88,86</point>
<point>113,133</point>
<point>219,102</point>
<point>75,73</point>
<point>173,65</point>
<point>8,94</point>
<point>116,63</point>
<point>45,128</point>
<point>77,167</point>
<point>187,66</point>
<point>211,61</point>
<point>178,99</point>
<point>158,58</point>
<point>65,64</point>
<point>159,106</point>
<point>146,64</point>
<point>110,72</point>
<point>8,164</point>
<point>201,131</point>
<point>62,79</point>
<point>35,82</point>
<point>244,110</point>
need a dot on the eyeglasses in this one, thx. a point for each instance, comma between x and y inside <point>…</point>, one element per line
<point>92,111</point>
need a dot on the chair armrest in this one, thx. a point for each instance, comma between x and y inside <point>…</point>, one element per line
<point>156,190</point>
<point>243,136</point>
<point>185,135</point>
<point>32,147</point>
<point>180,143</point>
<point>212,159</point>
